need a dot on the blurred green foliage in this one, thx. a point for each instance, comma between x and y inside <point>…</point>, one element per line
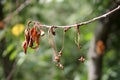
<point>38,64</point>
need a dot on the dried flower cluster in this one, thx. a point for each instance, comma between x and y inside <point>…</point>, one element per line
<point>33,35</point>
<point>57,59</point>
<point>82,59</point>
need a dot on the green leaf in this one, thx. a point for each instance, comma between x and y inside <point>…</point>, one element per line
<point>88,36</point>
<point>13,55</point>
<point>8,50</point>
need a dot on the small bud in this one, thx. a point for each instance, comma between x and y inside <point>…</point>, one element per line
<point>82,59</point>
<point>61,67</point>
<point>42,32</point>
<point>60,54</point>
<point>57,59</point>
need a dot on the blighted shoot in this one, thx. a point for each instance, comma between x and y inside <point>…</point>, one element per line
<point>32,35</point>
<point>36,32</point>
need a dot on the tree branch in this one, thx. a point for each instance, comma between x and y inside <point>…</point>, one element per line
<point>12,70</point>
<point>21,7</point>
<point>85,22</point>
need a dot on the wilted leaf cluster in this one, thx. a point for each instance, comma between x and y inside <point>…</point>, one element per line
<point>32,36</point>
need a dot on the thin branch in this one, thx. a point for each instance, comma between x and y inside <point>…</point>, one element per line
<point>21,7</point>
<point>12,70</point>
<point>85,22</point>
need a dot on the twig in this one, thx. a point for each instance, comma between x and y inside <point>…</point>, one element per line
<point>12,70</point>
<point>21,7</point>
<point>85,22</point>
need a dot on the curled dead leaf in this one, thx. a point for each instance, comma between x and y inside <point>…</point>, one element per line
<point>31,42</point>
<point>27,35</point>
<point>24,45</point>
<point>52,29</point>
<point>33,33</point>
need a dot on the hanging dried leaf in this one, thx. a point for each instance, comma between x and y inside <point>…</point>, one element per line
<point>32,36</point>
<point>25,46</point>
<point>77,39</point>
<point>77,28</point>
<point>27,35</point>
<point>52,29</point>
<point>37,40</point>
<point>33,33</point>
<point>31,42</point>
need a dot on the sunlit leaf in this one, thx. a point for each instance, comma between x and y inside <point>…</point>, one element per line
<point>88,36</point>
<point>13,55</point>
<point>17,29</point>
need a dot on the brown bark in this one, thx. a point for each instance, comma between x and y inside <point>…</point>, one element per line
<point>102,32</point>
